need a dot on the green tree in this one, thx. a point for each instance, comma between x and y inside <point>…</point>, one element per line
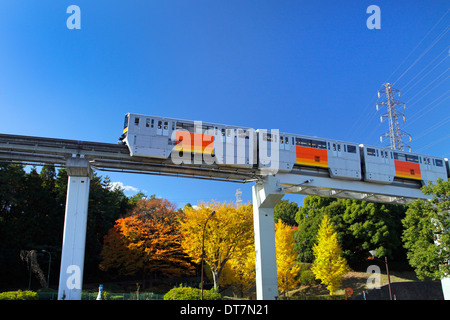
<point>286,211</point>
<point>426,235</point>
<point>329,266</point>
<point>32,206</point>
<point>361,226</point>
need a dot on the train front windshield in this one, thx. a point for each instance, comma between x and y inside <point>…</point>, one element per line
<point>125,125</point>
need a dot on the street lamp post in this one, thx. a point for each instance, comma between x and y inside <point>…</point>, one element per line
<point>203,252</point>
<point>49,263</point>
<point>373,252</point>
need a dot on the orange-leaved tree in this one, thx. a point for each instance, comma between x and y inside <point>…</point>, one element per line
<point>146,240</point>
<point>227,233</point>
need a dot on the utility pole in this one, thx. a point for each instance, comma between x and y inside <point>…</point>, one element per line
<point>395,134</point>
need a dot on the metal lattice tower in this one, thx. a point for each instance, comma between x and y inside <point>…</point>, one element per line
<point>395,134</point>
<point>238,198</point>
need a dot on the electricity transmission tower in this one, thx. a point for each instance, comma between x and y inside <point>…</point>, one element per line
<point>238,198</point>
<point>395,134</point>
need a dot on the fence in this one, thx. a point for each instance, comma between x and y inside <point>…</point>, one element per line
<point>106,296</point>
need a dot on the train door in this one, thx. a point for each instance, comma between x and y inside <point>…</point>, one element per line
<point>427,163</point>
<point>165,129</point>
<point>384,156</point>
<point>337,150</point>
<point>286,143</point>
<point>159,128</point>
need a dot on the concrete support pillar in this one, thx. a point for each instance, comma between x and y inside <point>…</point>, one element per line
<point>265,196</point>
<point>74,239</point>
<point>446,288</point>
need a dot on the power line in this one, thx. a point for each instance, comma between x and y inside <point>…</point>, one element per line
<point>428,90</point>
<point>432,128</point>
<point>417,82</point>
<point>434,143</point>
<point>429,109</point>
<point>434,26</point>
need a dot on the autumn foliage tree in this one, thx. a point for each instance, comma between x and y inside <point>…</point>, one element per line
<point>228,234</point>
<point>240,270</point>
<point>146,240</point>
<point>329,266</point>
<point>287,267</point>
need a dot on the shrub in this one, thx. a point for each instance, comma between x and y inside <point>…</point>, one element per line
<point>307,278</point>
<point>19,295</point>
<point>188,293</point>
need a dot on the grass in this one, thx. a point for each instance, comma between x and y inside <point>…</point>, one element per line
<point>356,281</point>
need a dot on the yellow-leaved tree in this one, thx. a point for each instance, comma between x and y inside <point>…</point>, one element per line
<point>287,267</point>
<point>329,266</point>
<point>228,234</point>
<point>240,271</point>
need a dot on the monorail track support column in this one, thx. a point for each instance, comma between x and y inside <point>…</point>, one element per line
<point>266,195</point>
<point>74,239</point>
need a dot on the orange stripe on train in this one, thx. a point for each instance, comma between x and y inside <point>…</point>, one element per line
<point>312,157</point>
<point>407,170</point>
<point>194,142</point>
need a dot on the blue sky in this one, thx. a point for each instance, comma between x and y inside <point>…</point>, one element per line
<point>306,67</point>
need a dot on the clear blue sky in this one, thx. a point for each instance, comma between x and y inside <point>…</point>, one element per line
<point>306,67</point>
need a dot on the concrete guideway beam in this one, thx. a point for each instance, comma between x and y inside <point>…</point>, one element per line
<point>358,190</point>
<point>266,195</point>
<point>74,239</point>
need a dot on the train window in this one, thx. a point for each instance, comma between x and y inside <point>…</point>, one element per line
<point>287,140</point>
<point>223,132</point>
<point>152,123</point>
<point>173,125</point>
<point>328,146</point>
<point>242,133</point>
<point>185,126</point>
<point>318,144</point>
<point>147,122</point>
<point>269,137</point>
<point>136,121</point>
<point>439,163</point>
<point>351,149</point>
<point>411,158</point>
<point>303,142</point>
<point>384,154</point>
<point>399,156</point>
<point>159,124</point>
<point>206,129</point>
<point>126,122</point>
<point>281,139</point>
<point>166,125</point>
<point>371,152</point>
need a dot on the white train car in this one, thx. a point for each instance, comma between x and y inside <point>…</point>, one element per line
<point>386,166</point>
<point>164,138</point>
<point>338,159</point>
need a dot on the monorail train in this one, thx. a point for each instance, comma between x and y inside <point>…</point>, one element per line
<point>225,145</point>
<point>158,137</point>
